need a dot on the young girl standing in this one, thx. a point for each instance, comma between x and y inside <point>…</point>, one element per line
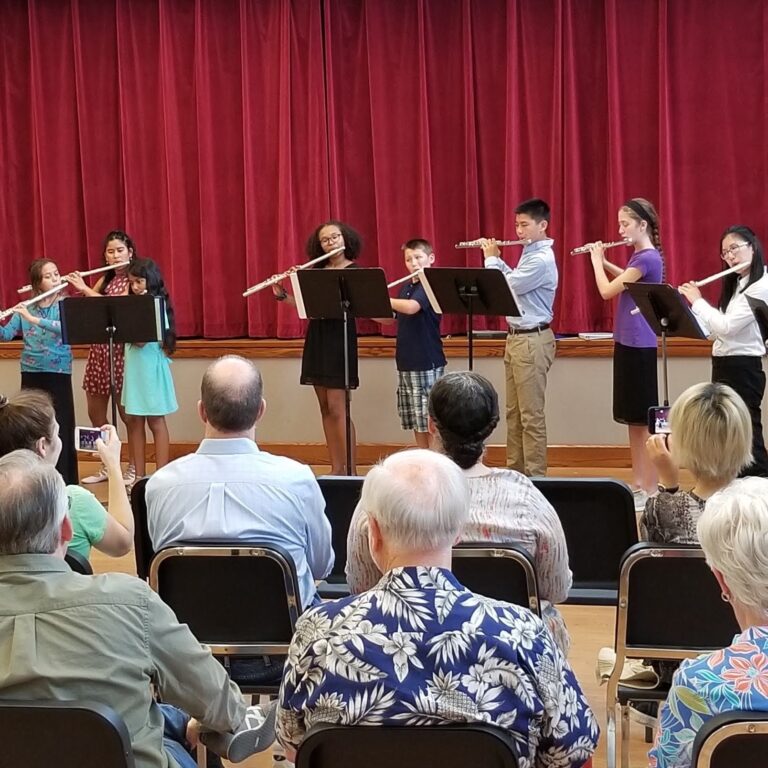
<point>635,383</point>
<point>46,363</point>
<point>739,348</point>
<point>148,392</point>
<point>322,361</point>
<point>118,247</point>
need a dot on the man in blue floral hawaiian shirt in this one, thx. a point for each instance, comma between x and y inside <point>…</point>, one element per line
<point>420,649</point>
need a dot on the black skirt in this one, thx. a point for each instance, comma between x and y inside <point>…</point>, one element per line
<point>322,362</point>
<point>59,387</point>
<point>635,384</point>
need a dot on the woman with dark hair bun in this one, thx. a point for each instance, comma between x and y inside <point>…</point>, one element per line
<point>739,348</point>
<point>505,506</point>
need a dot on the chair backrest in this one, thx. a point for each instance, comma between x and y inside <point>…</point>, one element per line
<point>341,495</point>
<point>449,746</point>
<point>732,739</point>
<point>669,604</point>
<point>598,518</point>
<point>65,734</point>
<point>142,544</point>
<point>78,563</point>
<point>503,572</point>
<point>240,600</point>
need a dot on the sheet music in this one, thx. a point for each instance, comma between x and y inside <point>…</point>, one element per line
<point>430,294</point>
<point>297,295</point>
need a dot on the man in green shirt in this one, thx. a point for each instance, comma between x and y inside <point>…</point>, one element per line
<point>105,638</point>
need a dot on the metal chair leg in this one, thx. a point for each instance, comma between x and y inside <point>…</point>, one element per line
<point>610,737</point>
<point>624,736</point>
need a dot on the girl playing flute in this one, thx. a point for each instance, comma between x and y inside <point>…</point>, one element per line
<point>635,386</point>
<point>738,349</point>
<point>117,247</point>
<point>46,363</point>
<point>322,361</point>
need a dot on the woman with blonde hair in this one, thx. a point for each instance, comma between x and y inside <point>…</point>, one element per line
<point>711,437</point>
<point>733,531</point>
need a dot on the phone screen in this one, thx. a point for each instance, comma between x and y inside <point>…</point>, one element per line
<point>658,420</point>
<point>86,437</point>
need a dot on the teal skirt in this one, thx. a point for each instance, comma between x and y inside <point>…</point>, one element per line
<point>147,383</point>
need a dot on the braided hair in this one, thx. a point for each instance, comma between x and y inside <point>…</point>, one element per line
<point>464,407</point>
<point>640,209</point>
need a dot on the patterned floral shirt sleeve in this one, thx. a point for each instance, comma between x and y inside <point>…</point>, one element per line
<point>419,649</point>
<point>362,573</point>
<point>735,678</point>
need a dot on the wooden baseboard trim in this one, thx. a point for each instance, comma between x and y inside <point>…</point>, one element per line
<point>572,456</point>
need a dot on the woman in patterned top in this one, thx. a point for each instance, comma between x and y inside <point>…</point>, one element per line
<point>711,436</point>
<point>505,507</point>
<point>118,247</point>
<point>733,531</point>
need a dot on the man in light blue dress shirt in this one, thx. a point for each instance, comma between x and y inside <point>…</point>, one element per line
<point>530,348</point>
<point>230,491</point>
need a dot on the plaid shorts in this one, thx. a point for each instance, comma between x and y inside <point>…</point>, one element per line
<point>413,397</point>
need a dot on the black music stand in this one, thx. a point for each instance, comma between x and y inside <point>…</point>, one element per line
<point>333,294</point>
<point>112,320</point>
<point>760,311</point>
<point>666,310</point>
<point>469,291</point>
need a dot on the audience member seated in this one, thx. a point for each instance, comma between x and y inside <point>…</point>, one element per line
<point>711,436</point>
<point>733,531</point>
<point>420,649</point>
<point>105,638</point>
<point>505,506</point>
<point>230,491</point>
<point>27,420</point>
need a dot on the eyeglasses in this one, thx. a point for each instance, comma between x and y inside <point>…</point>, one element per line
<point>730,250</point>
<point>330,239</point>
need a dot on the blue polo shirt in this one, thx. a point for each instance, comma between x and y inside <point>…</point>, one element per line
<point>419,346</point>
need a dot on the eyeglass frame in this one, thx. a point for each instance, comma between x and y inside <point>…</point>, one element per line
<point>331,238</point>
<point>731,250</point>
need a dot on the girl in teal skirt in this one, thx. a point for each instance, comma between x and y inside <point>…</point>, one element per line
<point>148,392</point>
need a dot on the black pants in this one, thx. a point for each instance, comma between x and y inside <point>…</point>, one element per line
<point>745,375</point>
<point>59,387</point>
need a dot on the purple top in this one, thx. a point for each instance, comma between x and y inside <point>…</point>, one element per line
<point>632,330</point>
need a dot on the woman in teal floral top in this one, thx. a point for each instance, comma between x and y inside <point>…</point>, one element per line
<point>46,363</point>
<point>733,531</point>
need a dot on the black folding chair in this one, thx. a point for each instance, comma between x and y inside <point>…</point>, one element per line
<point>598,518</point>
<point>669,608</point>
<point>341,495</point>
<point>732,739</point>
<point>78,563</point>
<point>142,544</point>
<point>449,746</point>
<point>65,734</point>
<point>501,571</point>
<point>241,601</point>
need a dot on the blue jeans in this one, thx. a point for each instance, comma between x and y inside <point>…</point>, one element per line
<point>175,736</point>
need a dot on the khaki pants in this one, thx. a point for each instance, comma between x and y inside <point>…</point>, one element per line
<point>527,359</point>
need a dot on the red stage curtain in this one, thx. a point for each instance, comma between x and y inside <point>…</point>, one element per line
<point>220,132</point>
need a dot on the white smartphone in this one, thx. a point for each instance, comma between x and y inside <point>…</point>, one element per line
<point>86,437</point>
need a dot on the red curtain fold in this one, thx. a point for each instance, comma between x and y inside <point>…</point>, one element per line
<point>220,132</point>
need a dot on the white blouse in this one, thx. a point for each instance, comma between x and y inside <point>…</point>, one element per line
<point>735,331</point>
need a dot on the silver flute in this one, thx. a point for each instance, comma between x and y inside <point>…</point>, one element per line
<point>586,248</point>
<point>479,242</point>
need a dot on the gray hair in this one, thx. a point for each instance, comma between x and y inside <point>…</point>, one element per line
<point>33,504</point>
<point>419,498</point>
<point>733,532</point>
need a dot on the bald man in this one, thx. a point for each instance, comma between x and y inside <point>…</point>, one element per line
<point>229,491</point>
